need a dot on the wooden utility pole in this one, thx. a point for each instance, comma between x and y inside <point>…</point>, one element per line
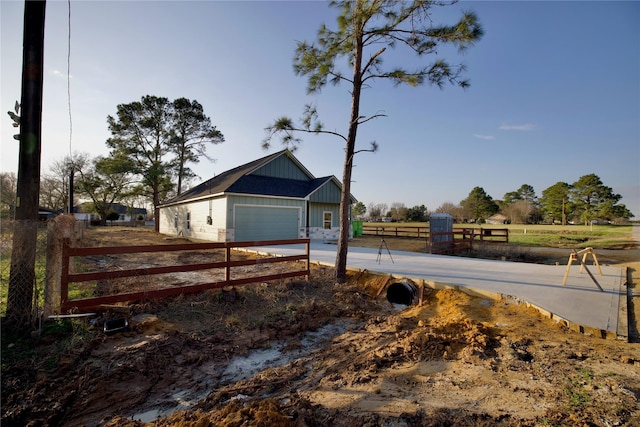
<point>25,235</point>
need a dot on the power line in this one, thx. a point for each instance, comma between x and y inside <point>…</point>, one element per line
<point>69,76</point>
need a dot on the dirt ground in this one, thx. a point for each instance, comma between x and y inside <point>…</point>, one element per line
<point>312,353</point>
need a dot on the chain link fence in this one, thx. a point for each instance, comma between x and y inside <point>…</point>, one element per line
<point>22,285</point>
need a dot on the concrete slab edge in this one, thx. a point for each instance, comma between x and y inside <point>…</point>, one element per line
<point>571,325</point>
<point>623,312</point>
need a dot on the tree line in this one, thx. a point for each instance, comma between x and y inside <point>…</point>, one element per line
<point>153,141</point>
<point>581,202</point>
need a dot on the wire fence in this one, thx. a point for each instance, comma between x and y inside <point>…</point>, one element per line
<point>22,277</point>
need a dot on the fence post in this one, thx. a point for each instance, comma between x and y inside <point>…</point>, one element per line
<point>60,231</point>
<point>227,260</point>
<point>52,274</point>
<point>308,250</point>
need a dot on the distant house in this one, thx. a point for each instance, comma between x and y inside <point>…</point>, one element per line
<point>497,219</point>
<point>271,198</point>
<point>126,214</point>
<point>45,213</point>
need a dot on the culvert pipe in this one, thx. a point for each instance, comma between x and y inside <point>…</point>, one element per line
<point>404,292</point>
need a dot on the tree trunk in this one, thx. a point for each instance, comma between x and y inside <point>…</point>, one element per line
<point>156,211</point>
<point>25,235</point>
<point>345,198</point>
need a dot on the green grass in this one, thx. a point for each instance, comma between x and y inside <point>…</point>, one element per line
<point>570,236</point>
<point>578,396</point>
<point>556,236</point>
<point>82,290</point>
<point>6,243</point>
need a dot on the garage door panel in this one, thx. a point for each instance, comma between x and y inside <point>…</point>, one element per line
<point>265,223</point>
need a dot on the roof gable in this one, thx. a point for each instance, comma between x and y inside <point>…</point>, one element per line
<point>278,175</point>
<point>328,190</point>
<point>220,183</point>
<point>286,167</point>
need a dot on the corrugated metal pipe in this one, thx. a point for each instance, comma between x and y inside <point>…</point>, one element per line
<point>404,292</point>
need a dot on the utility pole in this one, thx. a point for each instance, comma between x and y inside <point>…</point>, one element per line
<point>72,172</point>
<point>25,235</point>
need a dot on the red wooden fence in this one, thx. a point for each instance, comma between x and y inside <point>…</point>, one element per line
<point>228,264</point>
<point>460,239</point>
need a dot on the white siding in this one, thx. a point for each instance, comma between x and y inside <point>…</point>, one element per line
<point>198,226</point>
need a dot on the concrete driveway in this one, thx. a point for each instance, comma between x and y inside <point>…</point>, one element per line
<point>580,303</point>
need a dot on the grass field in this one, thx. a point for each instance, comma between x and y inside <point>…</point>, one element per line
<point>553,236</point>
<point>569,236</point>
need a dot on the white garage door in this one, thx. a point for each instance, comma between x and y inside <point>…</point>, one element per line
<point>265,223</point>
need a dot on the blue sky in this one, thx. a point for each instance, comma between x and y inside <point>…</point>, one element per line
<point>555,92</point>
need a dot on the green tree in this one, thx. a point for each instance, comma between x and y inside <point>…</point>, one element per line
<point>367,30</point>
<point>619,213</point>
<point>510,197</point>
<point>142,133</point>
<point>479,205</point>
<point>592,199</point>
<point>191,132</point>
<point>521,205</point>
<point>555,204</point>
<point>418,214</point>
<point>8,184</point>
<point>106,183</point>
<point>160,138</point>
<point>359,209</point>
<point>112,216</point>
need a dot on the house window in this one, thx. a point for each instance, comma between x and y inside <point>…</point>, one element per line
<point>188,220</point>
<point>327,220</point>
<point>175,221</point>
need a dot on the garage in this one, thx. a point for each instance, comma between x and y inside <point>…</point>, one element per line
<point>266,223</point>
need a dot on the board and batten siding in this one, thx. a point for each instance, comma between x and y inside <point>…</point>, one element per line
<point>282,167</point>
<point>316,214</point>
<point>328,193</point>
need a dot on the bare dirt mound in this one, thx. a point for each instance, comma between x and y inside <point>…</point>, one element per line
<point>310,353</point>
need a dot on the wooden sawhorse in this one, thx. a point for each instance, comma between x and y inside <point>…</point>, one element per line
<point>575,256</point>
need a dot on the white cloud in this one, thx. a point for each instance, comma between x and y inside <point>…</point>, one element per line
<point>60,74</point>
<point>525,127</point>
<point>485,137</point>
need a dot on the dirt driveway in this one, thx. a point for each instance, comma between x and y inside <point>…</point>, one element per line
<point>311,353</point>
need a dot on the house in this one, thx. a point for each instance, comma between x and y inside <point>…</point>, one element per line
<point>45,213</point>
<point>271,198</point>
<point>497,219</point>
<point>126,214</point>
